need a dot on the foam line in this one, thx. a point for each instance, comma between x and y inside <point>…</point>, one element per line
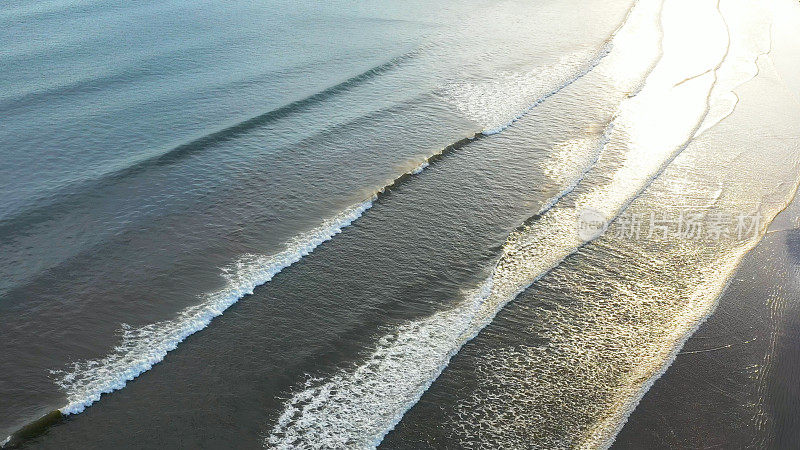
<point>604,51</point>
<point>405,363</point>
<point>142,348</point>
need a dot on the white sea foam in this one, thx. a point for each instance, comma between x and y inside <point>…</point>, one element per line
<point>420,168</point>
<point>356,407</point>
<point>371,399</point>
<point>143,347</point>
<point>498,102</point>
<point>504,99</point>
<point>568,158</point>
<point>402,367</point>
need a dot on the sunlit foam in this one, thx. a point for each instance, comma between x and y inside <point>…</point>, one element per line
<point>142,347</point>
<point>497,102</point>
<point>357,406</point>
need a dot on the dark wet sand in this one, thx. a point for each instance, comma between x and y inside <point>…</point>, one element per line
<point>736,383</point>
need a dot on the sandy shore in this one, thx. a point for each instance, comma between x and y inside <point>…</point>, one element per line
<point>734,384</point>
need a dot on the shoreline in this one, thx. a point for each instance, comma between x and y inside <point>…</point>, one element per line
<point>722,389</point>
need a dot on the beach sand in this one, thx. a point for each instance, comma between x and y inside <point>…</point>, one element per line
<point>735,382</point>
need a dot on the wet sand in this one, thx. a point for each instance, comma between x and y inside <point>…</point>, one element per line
<point>735,382</point>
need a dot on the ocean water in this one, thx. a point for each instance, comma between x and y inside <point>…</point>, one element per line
<point>344,224</point>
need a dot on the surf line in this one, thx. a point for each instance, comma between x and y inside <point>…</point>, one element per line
<point>605,50</point>
<point>329,228</point>
<point>126,368</point>
<point>477,324</point>
<point>166,335</point>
